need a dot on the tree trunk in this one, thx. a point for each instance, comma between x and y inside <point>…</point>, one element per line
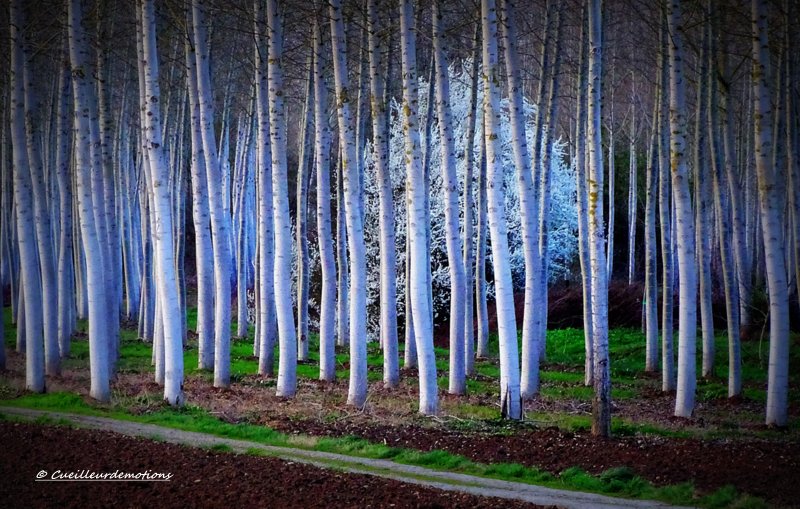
<point>510,396</point>
<point>388,281</point>
<point>527,205</point>
<point>416,285</point>
<point>327,256</point>
<point>86,132</point>
<point>772,224</point>
<point>687,263</point>
<point>601,402</point>
<point>220,219</point>
<point>357,392</point>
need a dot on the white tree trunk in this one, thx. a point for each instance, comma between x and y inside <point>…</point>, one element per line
<point>86,131</point>
<point>687,263</point>
<point>357,392</point>
<point>267,322</point>
<point>220,219</point>
<point>469,213</point>
<point>287,339</point>
<point>327,255</point>
<point>388,299</point>
<point>510,396</point>
<point>455,260</point>
<point>301,216</point>
<point>601,402</point>
<point>583,207</point>
<point>23,202</point>
<point>772,223</point>
<point>527,203</point>
<point>200,215</point>
<point>702,188</point>
<point>417,227</point>
<point>172,318</point>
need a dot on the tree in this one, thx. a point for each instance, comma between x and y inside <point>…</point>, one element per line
<point>416,229</point>
<point>322,138</point>
<point>687,264</point>
<point>204,257</point>
<point>528,206</point>
<point>86,131</point>
<point>220,220</point>
<point>388,277</point>
<point>772,222</point>
<point>166,278</point>
<point>510,396</point>
<point>357,392</point>
<point>601,402</point>
<point>287,367</point>
<point>266,238</point>
<point>454,244</point>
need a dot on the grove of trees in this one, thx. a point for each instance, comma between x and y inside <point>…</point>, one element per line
<point>392,171</point>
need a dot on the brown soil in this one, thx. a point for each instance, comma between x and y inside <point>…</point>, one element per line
<point>201,478</point>
<point>763,468</point>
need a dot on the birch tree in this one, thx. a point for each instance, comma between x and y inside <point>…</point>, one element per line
<point>166,279</point>
<point>388,276</point>
<point>220,220</point>
<point>266,309</point>
<point>772,222</point>
<point>322,138</point>
<point>287,366</point>
<point>510,396</point>
<point>453,236</point>
<point>528,205</point>
<point>601,402</point>
<point>357,392</point>
<point>687,264</point>
<point>85,125</point>
<point>416,229</point>
<point>25,208</point>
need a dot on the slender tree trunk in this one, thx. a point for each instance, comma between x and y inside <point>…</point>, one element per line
<point>510,396</point>
<point>601,402</point>
<point>455,260</point>
<point>301,231</point>
<point>665,219</point>
<point>527,205</point>
<point>417,227</point>
<point>469,212</point>
<point>86,132</point>
<point>287,365</point>
<point>220,220</point>
<point>651,256</point>
<point>482,312</point>
<point>267,319</point>
<point>772,224</point>
<point>322,139</point>
<point>204,259</point>
<point>702,189</point>
<point>167,278</point>
<point>66,285</point>
<point>687,263</point>
<point>357,392</point>
<point>722,202</point>
<point>25,208</point>
<point>388,281</point>
<point>583,207</point>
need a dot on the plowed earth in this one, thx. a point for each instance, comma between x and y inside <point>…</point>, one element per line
<point>200,478</point>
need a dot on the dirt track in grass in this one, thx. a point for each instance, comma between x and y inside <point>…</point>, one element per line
<point>201,478</point>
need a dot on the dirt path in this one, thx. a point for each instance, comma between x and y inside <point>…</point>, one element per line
<point>382,468</point>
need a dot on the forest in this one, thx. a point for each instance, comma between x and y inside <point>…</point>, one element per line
<point>553,244</point>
